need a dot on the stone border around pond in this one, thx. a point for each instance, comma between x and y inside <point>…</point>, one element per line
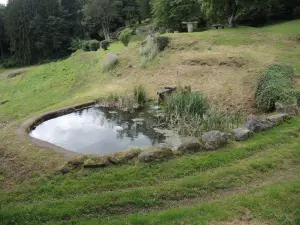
<point>28,125</point>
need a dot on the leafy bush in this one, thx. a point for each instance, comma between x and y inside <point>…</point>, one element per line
<point>110,62</point>
<point>139,94</point>
<point>105,44</point>
<point>76,44</point>
<point>125,36</point>
<point>86,46</point>
<point>94,45</point>
<point>296,13</point>
<point>273,86</point>
<point>162,42</point>
<point>10,63</point>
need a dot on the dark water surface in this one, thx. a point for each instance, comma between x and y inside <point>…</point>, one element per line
<point>99,131</point>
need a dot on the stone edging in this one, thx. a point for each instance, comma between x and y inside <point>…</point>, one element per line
<point>26,126</point>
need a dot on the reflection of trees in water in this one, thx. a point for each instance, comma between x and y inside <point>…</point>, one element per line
<point>130,129</point>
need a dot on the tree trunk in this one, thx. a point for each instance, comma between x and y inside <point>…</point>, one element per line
<point>232,15</point>
<point>105,31</point>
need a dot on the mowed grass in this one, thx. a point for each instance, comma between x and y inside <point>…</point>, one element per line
<point>252,181</point>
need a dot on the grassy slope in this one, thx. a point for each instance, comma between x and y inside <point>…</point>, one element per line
<point>256,180</point>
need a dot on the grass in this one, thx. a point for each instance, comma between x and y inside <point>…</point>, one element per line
<point>257,180</point>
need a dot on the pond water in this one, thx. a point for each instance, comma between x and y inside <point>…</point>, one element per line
<point>99,131</point>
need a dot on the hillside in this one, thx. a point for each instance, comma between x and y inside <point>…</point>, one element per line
<point>255,182</point>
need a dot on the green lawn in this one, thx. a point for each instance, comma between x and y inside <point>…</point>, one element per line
<point>249,182</point>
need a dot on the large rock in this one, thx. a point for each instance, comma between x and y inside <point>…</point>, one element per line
<point>189,144</point>
<point>97,162</point>
<point>242,134</point>
<point>155,153</point>
<point>215,139</point>
<point>288,109</point>
<point>256,124</point>
<point>121,157</point>
<point>279,118</point>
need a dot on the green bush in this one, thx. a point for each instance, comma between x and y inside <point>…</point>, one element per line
<point>86,46</point>
<point>94,45</point>
<point>139,94</point>
<point>76,44</point>
<point>274,85</point>
<point>125,36</point>
<point>183,104</point>
<point>10,63</point>
<point>105,44</point>
<point>296,13</point>
<point>162,42</point>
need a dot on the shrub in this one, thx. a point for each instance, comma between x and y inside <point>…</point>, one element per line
<point>162,42</point>
<point>105,44</point>
<point>125,36</point>
<point>76,44</point>
<point>110,62</point>
<point>296,12</point>
<point>139,94</point>
<point>86,46</point>
<point>10,63</point>
<point>94,45</point>
<point>273,86</point>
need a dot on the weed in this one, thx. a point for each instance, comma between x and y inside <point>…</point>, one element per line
<point>148,51</point>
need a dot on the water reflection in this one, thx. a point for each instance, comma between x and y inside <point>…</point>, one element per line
<point>99,131</point>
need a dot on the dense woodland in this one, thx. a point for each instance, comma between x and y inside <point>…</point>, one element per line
<point>32,31</point>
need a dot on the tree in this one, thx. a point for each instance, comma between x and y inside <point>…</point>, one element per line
<point>104,11</point>
<point>172,13</point>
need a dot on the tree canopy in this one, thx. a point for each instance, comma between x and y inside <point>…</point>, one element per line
<point>35,30</point>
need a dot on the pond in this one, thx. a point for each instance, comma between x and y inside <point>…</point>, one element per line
<point>99,130</point>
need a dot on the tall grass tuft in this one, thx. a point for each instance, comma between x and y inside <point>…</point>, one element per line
<point>139,94</point>
<point>110,62</point>
<point>148,51</point>
<point>182,104</point>
<point>190,114</point>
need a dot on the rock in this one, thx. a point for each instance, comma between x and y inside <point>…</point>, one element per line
<point>97,162</point>
<point>12,75</point>
<point>242,134</point>
<point>279,118</point>
<point>138,120</point>
<point>256,124</point>
<point>189,144</point>
<point>289,109</point>
<point>65,170</point>
<point>215,139</point>
<point>121,157</point>
<point>3,102</point>
<point>155,153</point>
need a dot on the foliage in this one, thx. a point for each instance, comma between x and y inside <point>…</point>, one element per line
<point>76,44</point>
<point>110,62</point>
<point>274,85</point>
<point>94,45</point>
<point>104,45</point>
<point>162,42</point>
<point>139,94</point>
<point>171,14</point>
<point>125,36</point>
<point>86,46</point>
<point>296,13</point>
<point>104,11</point>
